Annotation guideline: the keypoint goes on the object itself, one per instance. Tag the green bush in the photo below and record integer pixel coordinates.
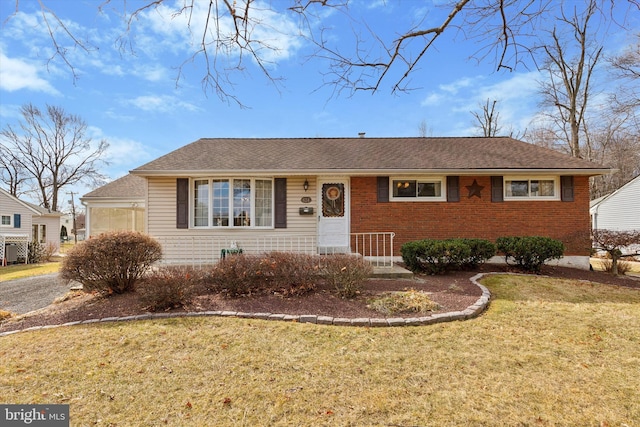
(282, 272)
(439, 256)
(411, 252)
(530, 252)
(346, 274)
(111, 262)
(168, 287)
(481, 251)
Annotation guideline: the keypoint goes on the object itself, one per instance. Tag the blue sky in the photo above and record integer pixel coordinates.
(134, 101)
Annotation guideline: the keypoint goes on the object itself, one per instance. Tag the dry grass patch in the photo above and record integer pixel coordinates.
(19, 271)
(409, 301)
(546, 352)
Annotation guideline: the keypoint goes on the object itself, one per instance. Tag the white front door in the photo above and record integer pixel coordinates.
(333, 215)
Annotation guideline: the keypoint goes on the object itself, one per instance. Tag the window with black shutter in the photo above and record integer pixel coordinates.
(453, 189)
(182, 203)
(497, 192)
(280, 198)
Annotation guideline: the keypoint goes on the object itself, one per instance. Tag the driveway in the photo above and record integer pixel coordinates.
(32, 293)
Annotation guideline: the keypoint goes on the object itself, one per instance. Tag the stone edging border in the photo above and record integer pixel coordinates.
(472, 311)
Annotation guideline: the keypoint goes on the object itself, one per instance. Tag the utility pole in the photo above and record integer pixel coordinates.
(73, 212)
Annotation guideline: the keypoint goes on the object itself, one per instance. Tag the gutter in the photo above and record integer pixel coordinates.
(368, 172)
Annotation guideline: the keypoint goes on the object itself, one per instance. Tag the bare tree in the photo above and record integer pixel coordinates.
(626, 68)
(54, 151)
(226, 35)
(11, 172)
(614, 242)
(424, 130)
(568, 87)
(615, 142)
(487, 120)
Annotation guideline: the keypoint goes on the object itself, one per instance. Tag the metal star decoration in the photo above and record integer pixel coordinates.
(475, 189)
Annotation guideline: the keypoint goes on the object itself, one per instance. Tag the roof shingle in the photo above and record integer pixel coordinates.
(129, 186)
(362, 155)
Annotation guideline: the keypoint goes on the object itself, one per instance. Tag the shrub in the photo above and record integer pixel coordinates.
(439, 256)
(621, 267)
(410, 301)
(345, 273)
(168, 287)
(37, 252)
(530, 252)
(614, 242)
(288, 273)
(411, 252)
(481, 251)
(431, 256)
(282, 272)
(112, 262)
(234, 275)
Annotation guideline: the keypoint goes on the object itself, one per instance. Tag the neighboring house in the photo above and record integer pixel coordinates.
(364, 195)
(22, 222)
(619, 210)
(118, 205)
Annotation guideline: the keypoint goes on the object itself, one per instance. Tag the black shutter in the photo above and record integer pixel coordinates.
(280, 211)
(17, 221)
(453, 189)
(497, 192)
(383, 189)
(182, 203)
(566, 188)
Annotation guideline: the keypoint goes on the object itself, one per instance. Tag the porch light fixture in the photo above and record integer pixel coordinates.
(305, 185)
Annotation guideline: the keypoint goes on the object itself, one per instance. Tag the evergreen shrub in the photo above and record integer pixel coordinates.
(529, 253)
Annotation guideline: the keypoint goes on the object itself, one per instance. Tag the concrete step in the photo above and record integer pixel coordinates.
(394, 272)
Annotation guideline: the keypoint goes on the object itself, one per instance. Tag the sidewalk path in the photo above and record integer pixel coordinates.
(32, 293)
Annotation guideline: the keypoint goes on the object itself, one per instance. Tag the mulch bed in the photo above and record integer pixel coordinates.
(453, 292)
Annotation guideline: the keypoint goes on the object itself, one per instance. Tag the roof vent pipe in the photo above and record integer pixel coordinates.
(361, 134)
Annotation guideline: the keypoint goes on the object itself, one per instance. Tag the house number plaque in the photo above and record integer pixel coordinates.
(306, 199)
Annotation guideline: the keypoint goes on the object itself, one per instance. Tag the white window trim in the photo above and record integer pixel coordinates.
(556, 187)
(421, 178)
(10, 225)
(252, 205)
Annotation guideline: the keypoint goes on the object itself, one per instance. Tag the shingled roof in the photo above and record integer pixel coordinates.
(129, 186)
(364, 156)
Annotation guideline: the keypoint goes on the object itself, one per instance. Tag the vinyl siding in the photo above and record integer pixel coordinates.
(204, 245)
(9, 206)
(621, 210)
(53, 230)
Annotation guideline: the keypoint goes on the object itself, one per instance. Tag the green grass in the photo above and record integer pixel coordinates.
(547, 352)
(20, 271)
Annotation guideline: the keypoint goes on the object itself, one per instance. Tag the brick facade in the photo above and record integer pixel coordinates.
(473, 217)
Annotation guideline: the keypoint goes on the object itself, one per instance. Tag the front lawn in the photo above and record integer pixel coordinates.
(20, 271)
(547, 352)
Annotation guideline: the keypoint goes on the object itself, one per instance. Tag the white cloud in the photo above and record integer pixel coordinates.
(161, 103)
(123, 154)
(455, 87)
(17, 74)
(432, 99)
(517, 97)
(521, 85)
(176, 30)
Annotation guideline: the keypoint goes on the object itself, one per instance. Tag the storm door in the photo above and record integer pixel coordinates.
(333, 215)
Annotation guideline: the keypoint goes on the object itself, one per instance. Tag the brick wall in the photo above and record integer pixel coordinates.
(473, 217)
